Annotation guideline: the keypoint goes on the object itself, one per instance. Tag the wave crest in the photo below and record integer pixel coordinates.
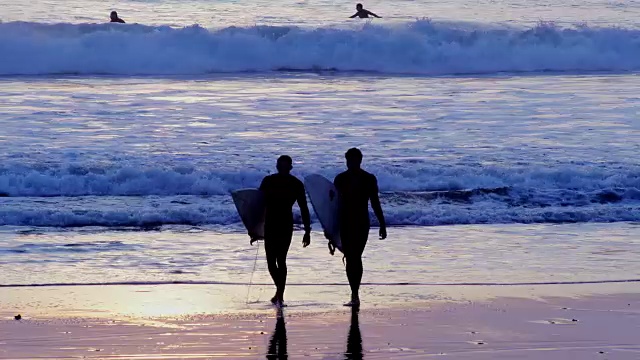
(428, 195)
(420, 47)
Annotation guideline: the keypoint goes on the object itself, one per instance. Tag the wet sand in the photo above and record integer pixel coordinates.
(598, 321)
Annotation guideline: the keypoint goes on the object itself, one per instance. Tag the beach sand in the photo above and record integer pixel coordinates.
(582, 321)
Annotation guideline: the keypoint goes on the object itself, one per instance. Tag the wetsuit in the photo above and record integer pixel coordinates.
(363, 14)
(117, 20)
(355, 189)
(281, 191)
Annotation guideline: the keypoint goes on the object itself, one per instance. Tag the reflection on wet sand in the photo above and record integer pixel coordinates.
(278, 342)
(354, 339)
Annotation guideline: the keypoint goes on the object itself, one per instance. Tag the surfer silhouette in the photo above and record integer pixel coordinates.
(281, 191)
(356, 188)
(363, 13)
(115, 18)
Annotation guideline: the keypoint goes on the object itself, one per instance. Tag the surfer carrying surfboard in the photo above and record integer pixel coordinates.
(281, 191)
(356, 188)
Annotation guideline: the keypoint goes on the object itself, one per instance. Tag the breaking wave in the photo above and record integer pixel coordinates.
(418, 195)
(420, 47)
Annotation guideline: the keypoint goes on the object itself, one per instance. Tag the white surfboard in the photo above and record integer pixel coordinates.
(324, 198)
(250, 206)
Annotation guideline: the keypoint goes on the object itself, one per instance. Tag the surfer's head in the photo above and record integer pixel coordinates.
(359, 7)
(354, 158)
(114, 15)
(284, 164)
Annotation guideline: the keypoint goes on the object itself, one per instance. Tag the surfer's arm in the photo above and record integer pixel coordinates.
(304, 209)
(377, 208)
(263, 184)
(374, 15)
(336, 181)
(353, 16)
(306, 217)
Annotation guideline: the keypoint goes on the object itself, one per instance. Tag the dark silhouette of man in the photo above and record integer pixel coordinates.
(115, 18)
(356, 188)
(362, 13)
(280, 192)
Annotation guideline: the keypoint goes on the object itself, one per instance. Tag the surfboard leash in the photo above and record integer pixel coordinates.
(332, 251)
(255, 263)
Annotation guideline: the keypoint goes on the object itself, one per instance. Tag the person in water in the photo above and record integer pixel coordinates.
(362, 13)
(115, 18)
(280, 192)
(356, 188)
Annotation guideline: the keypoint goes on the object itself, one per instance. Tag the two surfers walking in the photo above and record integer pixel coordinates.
(355, 187)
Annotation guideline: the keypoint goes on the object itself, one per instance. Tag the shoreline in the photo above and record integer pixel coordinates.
(174, 300)
(214, 283)
(447, 256)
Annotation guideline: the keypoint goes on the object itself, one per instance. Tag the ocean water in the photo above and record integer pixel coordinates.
(486, 117)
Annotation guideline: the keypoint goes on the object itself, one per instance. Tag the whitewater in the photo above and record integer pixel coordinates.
(418, 47)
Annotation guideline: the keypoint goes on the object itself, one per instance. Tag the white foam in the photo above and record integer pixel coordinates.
(20, 181)
(417, 196)
(419, 47)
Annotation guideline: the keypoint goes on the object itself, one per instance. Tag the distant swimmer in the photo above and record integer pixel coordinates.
(281, 191)
(115, 18)
(356, 188)
(363, 13)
